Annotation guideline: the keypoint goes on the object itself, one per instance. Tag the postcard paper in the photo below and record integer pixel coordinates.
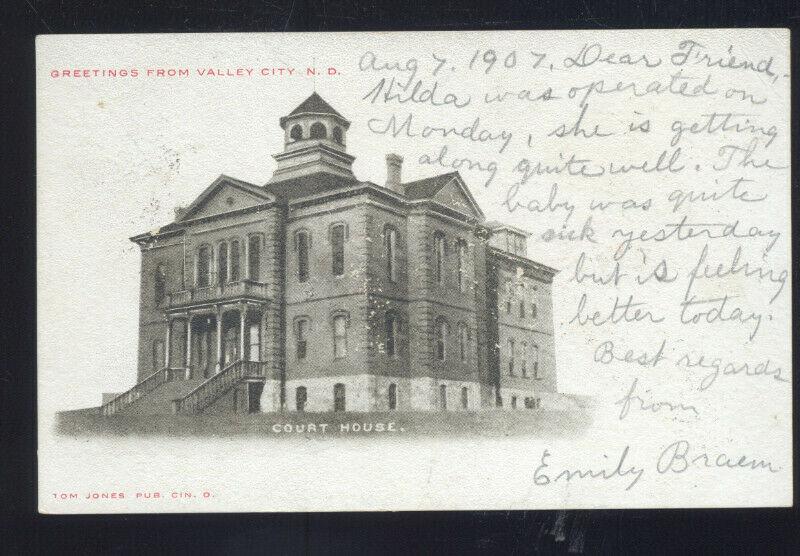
(414, 271)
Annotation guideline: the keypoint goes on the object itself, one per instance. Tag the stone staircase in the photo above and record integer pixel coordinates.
(159, 400)
(167, 391)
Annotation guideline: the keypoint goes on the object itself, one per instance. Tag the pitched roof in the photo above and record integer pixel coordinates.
(311, 184)
(215, 185)
(315, 104)
(427, 187)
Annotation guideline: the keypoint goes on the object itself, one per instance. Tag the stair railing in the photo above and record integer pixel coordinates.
(125, 399)
(209, 391)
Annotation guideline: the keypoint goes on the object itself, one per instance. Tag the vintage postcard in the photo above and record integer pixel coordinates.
(414, 271)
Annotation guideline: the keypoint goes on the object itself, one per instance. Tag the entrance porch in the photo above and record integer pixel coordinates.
(206, 339)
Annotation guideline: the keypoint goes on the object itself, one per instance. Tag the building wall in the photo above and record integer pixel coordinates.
(534, 328)
(152, 325)
(365, 294)
(324, 295)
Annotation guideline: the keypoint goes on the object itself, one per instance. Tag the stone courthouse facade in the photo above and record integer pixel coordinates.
(320, 292)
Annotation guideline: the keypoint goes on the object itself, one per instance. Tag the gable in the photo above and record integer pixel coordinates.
(226, 195)
(455, 196)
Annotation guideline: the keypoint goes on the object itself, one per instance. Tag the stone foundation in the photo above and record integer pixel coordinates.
(365, 393)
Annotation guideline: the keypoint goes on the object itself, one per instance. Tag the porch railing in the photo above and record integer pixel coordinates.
(209, 391)
(217, 292)
(149, 384)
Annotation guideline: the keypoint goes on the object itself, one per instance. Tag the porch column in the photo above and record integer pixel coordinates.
(242, 318)
(219, 338)
(167, 343)
(188, 346)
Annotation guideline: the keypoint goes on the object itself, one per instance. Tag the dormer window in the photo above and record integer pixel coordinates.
(318, 131)
(296, 134)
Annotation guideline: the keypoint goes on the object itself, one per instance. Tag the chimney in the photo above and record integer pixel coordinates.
(394, 167)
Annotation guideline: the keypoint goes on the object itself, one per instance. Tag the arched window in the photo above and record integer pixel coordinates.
(461, 253)
(390, 252)
(464, 397)
(222, 263)
(441, 339)
(393, 396)
(439, 248)
(522, 309)
(524, 358)
(235, 261)
(534, 311)
(443, 396)
(391, 334)
(463, 341)
(337, 135)
(535, 357)
(203, 266)
(301, 334)
(337, 235)
(254, 257)
(160, 284)
(318, 131)
(300, 398)
(513, 402)
(302, 242)
(511, 356)
(296, 133)
(339, 402)
(339, 336)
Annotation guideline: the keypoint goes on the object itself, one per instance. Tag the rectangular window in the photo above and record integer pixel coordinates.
(390, 237)
(511, 357)
(339, 403)
(337, 246)
(464, 398)
(302, 344)
(254, 256)
(443, 396)
(339, 336)
(222, 263)
(463, 340)
(300, 398)
(441, 340)
(522, 309)
(462, 278)
(235, 255)
(440, 254)
(535, 361)
(203, 266)
(513, 402)
(391, 335)
(255, 342)
(524, 357)
(159, 357)
(302, 256)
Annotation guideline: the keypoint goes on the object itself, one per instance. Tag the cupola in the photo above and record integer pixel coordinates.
(315, 141)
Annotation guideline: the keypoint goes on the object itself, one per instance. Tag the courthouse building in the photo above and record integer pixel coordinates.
(321, 292)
